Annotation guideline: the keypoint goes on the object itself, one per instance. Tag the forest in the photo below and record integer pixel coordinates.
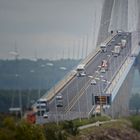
(29, 78)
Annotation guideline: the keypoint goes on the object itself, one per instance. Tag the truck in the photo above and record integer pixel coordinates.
(123, 43)
(116, 51)
(31, 117)
(81, 70)
(42, 106)
(103, 48)
(104, 65)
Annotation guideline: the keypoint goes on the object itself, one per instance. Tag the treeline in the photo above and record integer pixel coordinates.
(12, 129)
(12, 98)
(29, 78)
(25, 74)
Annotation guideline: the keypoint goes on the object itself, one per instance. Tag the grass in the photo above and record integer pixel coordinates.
(86, 121)
(119, 124)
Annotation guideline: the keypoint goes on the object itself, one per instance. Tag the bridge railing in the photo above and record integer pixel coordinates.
(135, 50)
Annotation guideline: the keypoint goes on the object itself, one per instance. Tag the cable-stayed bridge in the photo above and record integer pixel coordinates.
(78, 93)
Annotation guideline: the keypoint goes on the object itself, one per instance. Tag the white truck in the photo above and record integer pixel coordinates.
(103, 48)
(123, 43)
(116, 51)
(81, 70)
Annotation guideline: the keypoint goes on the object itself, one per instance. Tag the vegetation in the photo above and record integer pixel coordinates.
(134, 103)
(10, 98)
(135, 122)
(68, 130)
(30, 78)
(22, 130)
(28, 74)
(92, 119)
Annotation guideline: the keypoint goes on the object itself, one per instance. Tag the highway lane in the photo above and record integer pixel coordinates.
(115, 62)
(71, 88)
(78, 93)
(102, 86)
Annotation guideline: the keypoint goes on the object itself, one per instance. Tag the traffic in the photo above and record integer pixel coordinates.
(90, 79)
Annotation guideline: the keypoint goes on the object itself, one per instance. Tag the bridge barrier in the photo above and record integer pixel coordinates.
(125, 67)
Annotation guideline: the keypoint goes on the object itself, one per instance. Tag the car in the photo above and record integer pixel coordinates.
(59, 100)
(93, 82)
(102, 70)
(45, 115)
(119, 32)
(81, 74)
(109, 44)
(59, 96)
(104, 64)
(113, 40)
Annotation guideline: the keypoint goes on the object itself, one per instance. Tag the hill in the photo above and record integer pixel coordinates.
(117, 130)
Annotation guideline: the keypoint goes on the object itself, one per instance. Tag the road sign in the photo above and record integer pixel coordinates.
(103, 99)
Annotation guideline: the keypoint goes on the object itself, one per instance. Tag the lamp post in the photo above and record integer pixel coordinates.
(79, 109)
(65, 79)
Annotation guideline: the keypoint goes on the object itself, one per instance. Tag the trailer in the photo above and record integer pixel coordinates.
(116, 51)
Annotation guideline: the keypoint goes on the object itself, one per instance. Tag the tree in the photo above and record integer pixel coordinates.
(134, 103)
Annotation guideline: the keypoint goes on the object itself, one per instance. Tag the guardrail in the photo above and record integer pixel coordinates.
(121, 69)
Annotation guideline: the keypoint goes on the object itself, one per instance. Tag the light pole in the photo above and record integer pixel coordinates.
(79, 109)
(65, 78)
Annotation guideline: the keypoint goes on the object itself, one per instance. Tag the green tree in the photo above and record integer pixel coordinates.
(54, 132)
(26, 131)
(20, 130)
(70, 128)
(134, 103)
(135, 122)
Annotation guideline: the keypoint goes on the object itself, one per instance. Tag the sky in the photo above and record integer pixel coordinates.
(50, 29)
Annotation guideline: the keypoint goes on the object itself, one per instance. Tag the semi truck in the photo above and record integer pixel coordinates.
(81, 70)
(103, 48)
(116, 51)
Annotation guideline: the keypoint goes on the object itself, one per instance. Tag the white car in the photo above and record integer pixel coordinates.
(45, 116)
(93, 82)
(102, 70)
(59, 96)
(81, 74)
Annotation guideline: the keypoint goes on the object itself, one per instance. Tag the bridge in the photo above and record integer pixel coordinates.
(112, 88)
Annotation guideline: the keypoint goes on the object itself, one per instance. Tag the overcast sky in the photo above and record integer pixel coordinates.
(52, 28)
